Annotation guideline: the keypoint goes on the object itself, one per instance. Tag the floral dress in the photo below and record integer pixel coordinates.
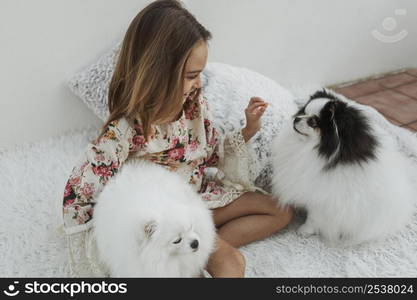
(190, 146)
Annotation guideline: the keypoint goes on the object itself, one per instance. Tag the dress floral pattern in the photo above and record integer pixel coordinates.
(188, 146)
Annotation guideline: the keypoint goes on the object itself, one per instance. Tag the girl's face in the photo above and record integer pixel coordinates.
(193, 68)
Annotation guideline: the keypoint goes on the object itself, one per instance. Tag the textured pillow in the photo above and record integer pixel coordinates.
(227, 89)
(92, 83)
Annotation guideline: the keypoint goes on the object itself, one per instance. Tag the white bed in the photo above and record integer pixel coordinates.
(33, 176)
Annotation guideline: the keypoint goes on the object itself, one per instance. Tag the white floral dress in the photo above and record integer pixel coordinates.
(190, 146)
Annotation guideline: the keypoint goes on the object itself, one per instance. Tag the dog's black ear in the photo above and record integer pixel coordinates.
(323, 94)
(332, 107)
(150, 228)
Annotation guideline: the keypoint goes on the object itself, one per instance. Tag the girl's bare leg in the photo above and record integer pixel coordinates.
(226, 261)
(252, 216)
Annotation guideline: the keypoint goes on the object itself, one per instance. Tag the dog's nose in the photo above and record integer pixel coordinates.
(194, 244)
(297, 119)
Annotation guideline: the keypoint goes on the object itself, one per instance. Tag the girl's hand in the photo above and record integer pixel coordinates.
(253, 112)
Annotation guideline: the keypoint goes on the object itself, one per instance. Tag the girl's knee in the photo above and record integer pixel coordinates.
(238, 258)
(279, 210)
(235, 260)
(227, 261)
(283, 215)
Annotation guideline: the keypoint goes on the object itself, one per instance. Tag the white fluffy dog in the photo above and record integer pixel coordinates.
(150, 223)
(347, 174)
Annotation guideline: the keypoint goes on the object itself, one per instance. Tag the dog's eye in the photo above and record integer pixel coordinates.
(177, 241)
(313, 122)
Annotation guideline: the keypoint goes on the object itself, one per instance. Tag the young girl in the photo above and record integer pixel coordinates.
(158, 113)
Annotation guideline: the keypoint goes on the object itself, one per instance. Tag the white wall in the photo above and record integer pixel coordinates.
(43, 42)
(324, 41)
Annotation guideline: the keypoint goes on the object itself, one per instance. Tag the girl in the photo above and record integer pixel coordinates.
(157, 113)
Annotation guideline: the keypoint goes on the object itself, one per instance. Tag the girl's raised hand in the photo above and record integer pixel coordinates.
(253, 112)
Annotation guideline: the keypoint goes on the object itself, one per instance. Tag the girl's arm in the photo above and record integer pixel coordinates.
(234, 142)
(230, 154)
(101, 160)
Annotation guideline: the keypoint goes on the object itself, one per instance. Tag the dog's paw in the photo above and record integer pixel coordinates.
(306, 230)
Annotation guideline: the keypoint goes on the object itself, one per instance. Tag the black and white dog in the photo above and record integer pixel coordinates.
(349, 176)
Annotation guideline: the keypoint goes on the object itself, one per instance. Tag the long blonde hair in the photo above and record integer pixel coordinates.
(147, 82)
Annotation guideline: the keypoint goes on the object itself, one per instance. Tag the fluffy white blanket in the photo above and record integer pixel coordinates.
(32, 179)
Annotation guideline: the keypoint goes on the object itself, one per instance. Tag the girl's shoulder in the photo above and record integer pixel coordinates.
(122, 131)
(118, 129)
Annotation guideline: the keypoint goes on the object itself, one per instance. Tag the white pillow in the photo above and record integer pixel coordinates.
(92, 83)
(227, 89)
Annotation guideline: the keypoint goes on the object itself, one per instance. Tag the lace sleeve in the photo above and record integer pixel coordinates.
(231, 155)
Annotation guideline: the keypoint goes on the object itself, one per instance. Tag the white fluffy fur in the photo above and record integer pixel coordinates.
(355, 203)
(139, 215)
(31, 247)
